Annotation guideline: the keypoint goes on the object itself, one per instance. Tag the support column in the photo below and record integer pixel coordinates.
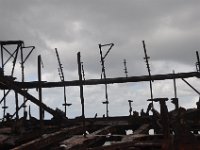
(130, 107)
(81, 91)
(40, 90)
(17, 105)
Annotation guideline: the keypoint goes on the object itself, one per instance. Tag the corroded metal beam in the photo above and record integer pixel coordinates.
(10, 84)
(44, 84)
(80, 142)
(49, 139)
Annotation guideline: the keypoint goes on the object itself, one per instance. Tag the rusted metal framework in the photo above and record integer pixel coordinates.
(11, 51)
(103, 73)
(62, 78)
(175, 130)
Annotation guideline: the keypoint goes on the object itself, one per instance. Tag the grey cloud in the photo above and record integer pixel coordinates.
(170, 29)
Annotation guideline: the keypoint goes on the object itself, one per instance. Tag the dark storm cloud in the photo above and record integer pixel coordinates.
(171, 26)
(170, 29)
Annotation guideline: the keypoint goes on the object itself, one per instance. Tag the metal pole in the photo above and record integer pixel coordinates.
(130, 107)
(40, 90)
(65, 101)
(125, 69)
(2, 60)
(148, 68)
(62, 78)
(106, 86)
(23, 77)
(81, 92)
(15, 59)
(175, 89)
(17, 105)
(4, 92)
(198, 61)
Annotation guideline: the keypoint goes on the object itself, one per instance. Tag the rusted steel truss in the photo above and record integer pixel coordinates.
(176, 130)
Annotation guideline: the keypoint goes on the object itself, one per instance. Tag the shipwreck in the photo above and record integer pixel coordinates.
(171, 130)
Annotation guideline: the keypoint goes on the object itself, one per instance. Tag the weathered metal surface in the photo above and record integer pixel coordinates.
(121, 145)
(81, 142)
(177, 130)
(141, 130)
(81, 92)
(11, 85)
(11, 42)
(44, 84)
(49, 139)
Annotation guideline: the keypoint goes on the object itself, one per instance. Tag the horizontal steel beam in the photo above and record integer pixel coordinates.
(44, 84)
(10, 84)
(10, 42)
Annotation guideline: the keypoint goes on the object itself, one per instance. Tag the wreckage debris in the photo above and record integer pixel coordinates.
(163, 130)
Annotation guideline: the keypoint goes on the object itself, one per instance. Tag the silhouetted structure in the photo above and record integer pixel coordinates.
(178, 129)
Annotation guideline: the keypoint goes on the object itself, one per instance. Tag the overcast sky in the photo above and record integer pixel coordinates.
(170, 29)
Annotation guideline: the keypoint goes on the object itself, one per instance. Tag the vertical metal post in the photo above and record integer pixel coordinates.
(130, 107)
(125, 68)
(15, 59)
(4, 104)
(107, 102)
(2, 60)
(198, 61)
(83, 72)
(4, 92)
(175, 99)
(149, 71)
(17, 105)
(106, 86)
(40, 90)
(198, 104)
(65, 101)
(81, 91)
(62, 78)
(22, 63)
(23, 76)
(175, 89)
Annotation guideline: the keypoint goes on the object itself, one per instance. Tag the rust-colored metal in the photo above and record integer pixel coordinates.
(81, 92)
(44, 84)
(10, 84)
(176, 130)
(49, 139)
(79, 142)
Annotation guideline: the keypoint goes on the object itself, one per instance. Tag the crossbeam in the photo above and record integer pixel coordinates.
(35, 84)
(10, 84)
